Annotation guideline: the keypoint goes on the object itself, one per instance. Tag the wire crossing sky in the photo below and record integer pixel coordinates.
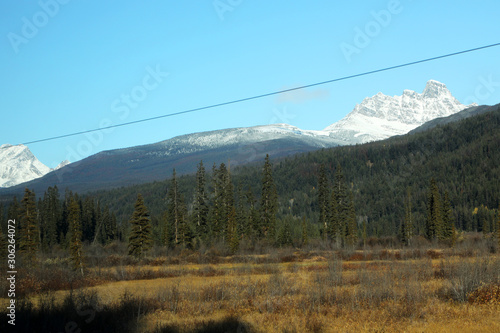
(66, 73)
(265, 95)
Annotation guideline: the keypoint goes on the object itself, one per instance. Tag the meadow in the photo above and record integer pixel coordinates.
(425, 288)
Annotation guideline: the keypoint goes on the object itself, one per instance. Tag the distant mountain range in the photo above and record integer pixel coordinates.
(376, 118)
(381, 116)
(19, 165)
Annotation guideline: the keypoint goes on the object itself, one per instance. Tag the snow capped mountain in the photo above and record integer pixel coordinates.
(191, 143)
(19, 165)
(381, 116)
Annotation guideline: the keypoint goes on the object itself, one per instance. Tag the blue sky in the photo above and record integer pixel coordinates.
(69, 66)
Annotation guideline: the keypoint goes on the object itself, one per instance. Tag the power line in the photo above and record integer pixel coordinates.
(265, 95)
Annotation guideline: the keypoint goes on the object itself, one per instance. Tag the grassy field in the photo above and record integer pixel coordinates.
(410, 290)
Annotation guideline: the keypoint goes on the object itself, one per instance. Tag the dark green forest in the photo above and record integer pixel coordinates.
(340, 195)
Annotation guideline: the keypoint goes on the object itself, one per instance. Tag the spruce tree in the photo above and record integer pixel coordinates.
(200, 206)
(30, 235)
(448, 228)
(434, 222)
(217, 213)
(305, 232)
(406, 228)
(351, 224)
(75, 232)
(324, 198)
(285, 234)
(232, 232)
(254, 230)
(341, 198)
(269, 202)
(334, 219)
(140, 239)
(174, 209)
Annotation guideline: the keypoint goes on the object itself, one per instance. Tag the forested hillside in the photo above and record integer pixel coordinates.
(462, 157)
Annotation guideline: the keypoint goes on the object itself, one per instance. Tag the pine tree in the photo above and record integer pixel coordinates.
(217, 213)
(140, 239)
(406, 229)
(232, 232)
(351, 225)
(324, 198)
(200, 206)
(341, 198)
(448, 229)
(174, 209)
(269, 202)
(334, 219)
(305, 233)
(75, 232)
(285, 234)
(51, 214)
(434, 222)
(185, 234)
(253, 217)
(30, 235)
(228, 198)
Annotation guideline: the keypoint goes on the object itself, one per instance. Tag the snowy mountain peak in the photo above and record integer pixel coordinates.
(19, 165)
(381, 116)
(435, 89)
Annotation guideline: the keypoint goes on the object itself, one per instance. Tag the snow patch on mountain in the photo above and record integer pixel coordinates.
(18, 165)
(380, 116)
(191, 143)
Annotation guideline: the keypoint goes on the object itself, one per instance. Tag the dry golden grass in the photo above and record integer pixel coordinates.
(314, 295)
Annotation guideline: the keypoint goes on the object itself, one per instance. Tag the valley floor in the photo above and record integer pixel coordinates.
(362, 291)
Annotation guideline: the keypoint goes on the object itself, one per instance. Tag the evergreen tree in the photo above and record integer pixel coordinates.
(140, 239)
(269, 202)
(174, 208)
(232, 234)
(228, 198)
(334, 220)
(242, 218)
(253, 217)
(51, 214)
(285, 234)
(75, 232)
(351, 225)
(406, 228)
(217, 212)
(30, 235)
(324, 198)
(342, 206)
(448, 229)
(200, 206)
(185, 234)
(434, 222)
(305, 233)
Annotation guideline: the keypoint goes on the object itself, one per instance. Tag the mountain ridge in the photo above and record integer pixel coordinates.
(375, 118)
(382, 116)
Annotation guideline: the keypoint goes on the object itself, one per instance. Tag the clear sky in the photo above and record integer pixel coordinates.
(69, 66)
